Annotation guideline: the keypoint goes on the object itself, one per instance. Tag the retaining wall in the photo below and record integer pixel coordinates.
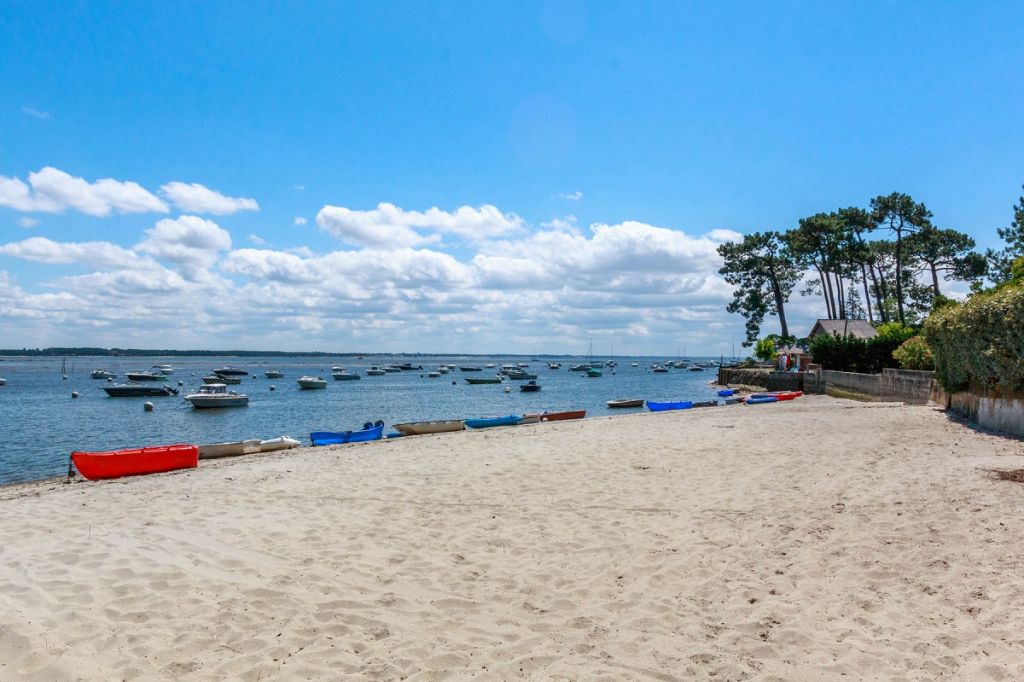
(903, 385)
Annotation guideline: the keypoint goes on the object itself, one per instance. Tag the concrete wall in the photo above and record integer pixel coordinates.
(903, 385)
(1000, 414)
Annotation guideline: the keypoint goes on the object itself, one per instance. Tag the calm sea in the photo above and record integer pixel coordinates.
(40, 424)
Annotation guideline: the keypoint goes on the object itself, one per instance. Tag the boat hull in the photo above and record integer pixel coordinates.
(344, 376)
(488, 422)
(758, 400)
(218, 450)
(281, 443)
(423, 428)
(230, 372)
(139, 391)
(559, 416)
(210, 402)
(474, 382)
(96, 466)
(638, 402)
(665, 407)
(367, 433)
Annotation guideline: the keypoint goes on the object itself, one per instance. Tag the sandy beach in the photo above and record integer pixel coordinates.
(817, 539)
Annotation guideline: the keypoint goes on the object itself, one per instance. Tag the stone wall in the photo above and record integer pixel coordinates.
(902, 385)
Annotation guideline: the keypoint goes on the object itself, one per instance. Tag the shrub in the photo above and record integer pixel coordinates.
(765, 350)
(850, 354)
(914, 353)
(979, 344)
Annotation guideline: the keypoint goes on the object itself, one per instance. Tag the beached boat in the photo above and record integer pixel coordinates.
(231, 372)
(483, 380)
(145, 376)
(102, 374)
(345, 376)
(558, 416)
(370, 431)
(733, 400)
(654, 406)
(530, 387)
(375, 371)
(233, 449)
(626, 402)
(706, 403)
(134, 461)
(471, 368)
(216, 395)
(422, 428)
(138, 390)
(279, 443)
(759, 399)
(530, 419)
(725, 392)
(273, 374)
(488, 422)
(308, 382)
(779, 395)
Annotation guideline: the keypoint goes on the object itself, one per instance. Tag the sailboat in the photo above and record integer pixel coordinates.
(63, 368)
(586, 364)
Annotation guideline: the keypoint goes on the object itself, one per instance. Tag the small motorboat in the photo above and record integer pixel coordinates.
(308, 382)
(370, 431)
(138, 390)
(554, 365)
(219, 379)
(102, 374)
(145, 376)
(234, 449)
(391, 369)
(488, 422)
(695, 368)
(231, 372)
(422, 428)
(216, 395)
(434, 374)
(483, 380)
(558, 416)
(162, 369)
(634, 364)
(375, 371)
(520, 375)
(279, 443)
(593, 372)
(530, 387)
(3, 382)
(579, 368)
(134, 461)
(273, 374)
(471, 368)
(345, 375)
(762, 398)
(660, 369)
(626, 402)
(489, 365)
(665, 407)
(408, 367)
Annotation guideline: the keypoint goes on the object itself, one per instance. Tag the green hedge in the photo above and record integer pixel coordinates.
(979, 345)
(850, 354)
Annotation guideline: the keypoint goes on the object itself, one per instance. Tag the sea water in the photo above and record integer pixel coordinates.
(41, 424)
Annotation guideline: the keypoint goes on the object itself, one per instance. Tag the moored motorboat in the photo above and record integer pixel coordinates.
(471, 368)
(345, 376)
(593, 372)
(231, 372)
(370, 431)
(145, 376)
(137, 390)
(391, 369)
(488, 422)
(3, 382)
(554, 365)
(233, 449)
(654, 406)
(375, 371)
(216, 395)
(134, 461)
(434, 374)
(626, 402)
(660, 369)
(102, 374)
(162, 369)
(483, 380)
(273, 374)
(308, 382)
(279, 443)
(558, 416)
(422, 428)
(530, 387)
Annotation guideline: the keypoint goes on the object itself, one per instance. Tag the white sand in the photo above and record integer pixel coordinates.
(806, 540)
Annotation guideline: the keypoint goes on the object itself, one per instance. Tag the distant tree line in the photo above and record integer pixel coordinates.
(884, 263)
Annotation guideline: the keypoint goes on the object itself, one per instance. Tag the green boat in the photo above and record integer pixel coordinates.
(593, 372)
(483, 380)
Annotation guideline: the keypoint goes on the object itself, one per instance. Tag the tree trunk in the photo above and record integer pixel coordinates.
(824, 291)
(935, 279)
(899, 274)
(877, 281)
(779, 304)
(867, 294)
(841, 295)
(831, 296)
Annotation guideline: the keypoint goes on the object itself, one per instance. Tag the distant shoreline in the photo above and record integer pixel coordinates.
(141, 352)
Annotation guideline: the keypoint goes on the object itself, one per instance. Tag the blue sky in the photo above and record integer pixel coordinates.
(702, 119)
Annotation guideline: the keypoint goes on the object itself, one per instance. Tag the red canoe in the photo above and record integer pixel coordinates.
(781, 395)
(117, 463)
(559, 416)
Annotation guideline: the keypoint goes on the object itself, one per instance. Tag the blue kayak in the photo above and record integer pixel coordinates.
(487, 422)
(369, 431)
(758, 399)
(726, 392)
(664, 407)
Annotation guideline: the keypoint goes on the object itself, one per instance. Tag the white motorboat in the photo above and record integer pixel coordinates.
(102, 374)
(273, 374)
(162, 369)
(308, 382)
(281, 443)
(375, 371)
(216, 395)
(3, 381)
(145, 376)
(338, 368)
(434, 374)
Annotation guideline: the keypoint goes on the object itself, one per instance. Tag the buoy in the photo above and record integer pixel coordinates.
(180, 382)
(74, 394)
(454, 383)
(65, 376)
(147, 406)
(109, 380)
(508, 390)
(273, 388)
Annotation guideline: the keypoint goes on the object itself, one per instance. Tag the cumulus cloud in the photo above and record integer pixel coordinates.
(191, 242)
(299, 220)
(389, 225)
(572, 196)
(196, 198)
(53, 191)
(96, 254)
(27, 223)
(256, 239)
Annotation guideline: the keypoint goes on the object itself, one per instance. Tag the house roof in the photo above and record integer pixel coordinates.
(860, 329)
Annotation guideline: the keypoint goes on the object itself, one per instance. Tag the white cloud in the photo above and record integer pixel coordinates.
(96, 254)
(572, 196)
(35, 113)
(299, 220)
(389, 225)
(27, 223)
(299, 188)
(197, 198)
(53, 191)
(191, 242)
(256, 239)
